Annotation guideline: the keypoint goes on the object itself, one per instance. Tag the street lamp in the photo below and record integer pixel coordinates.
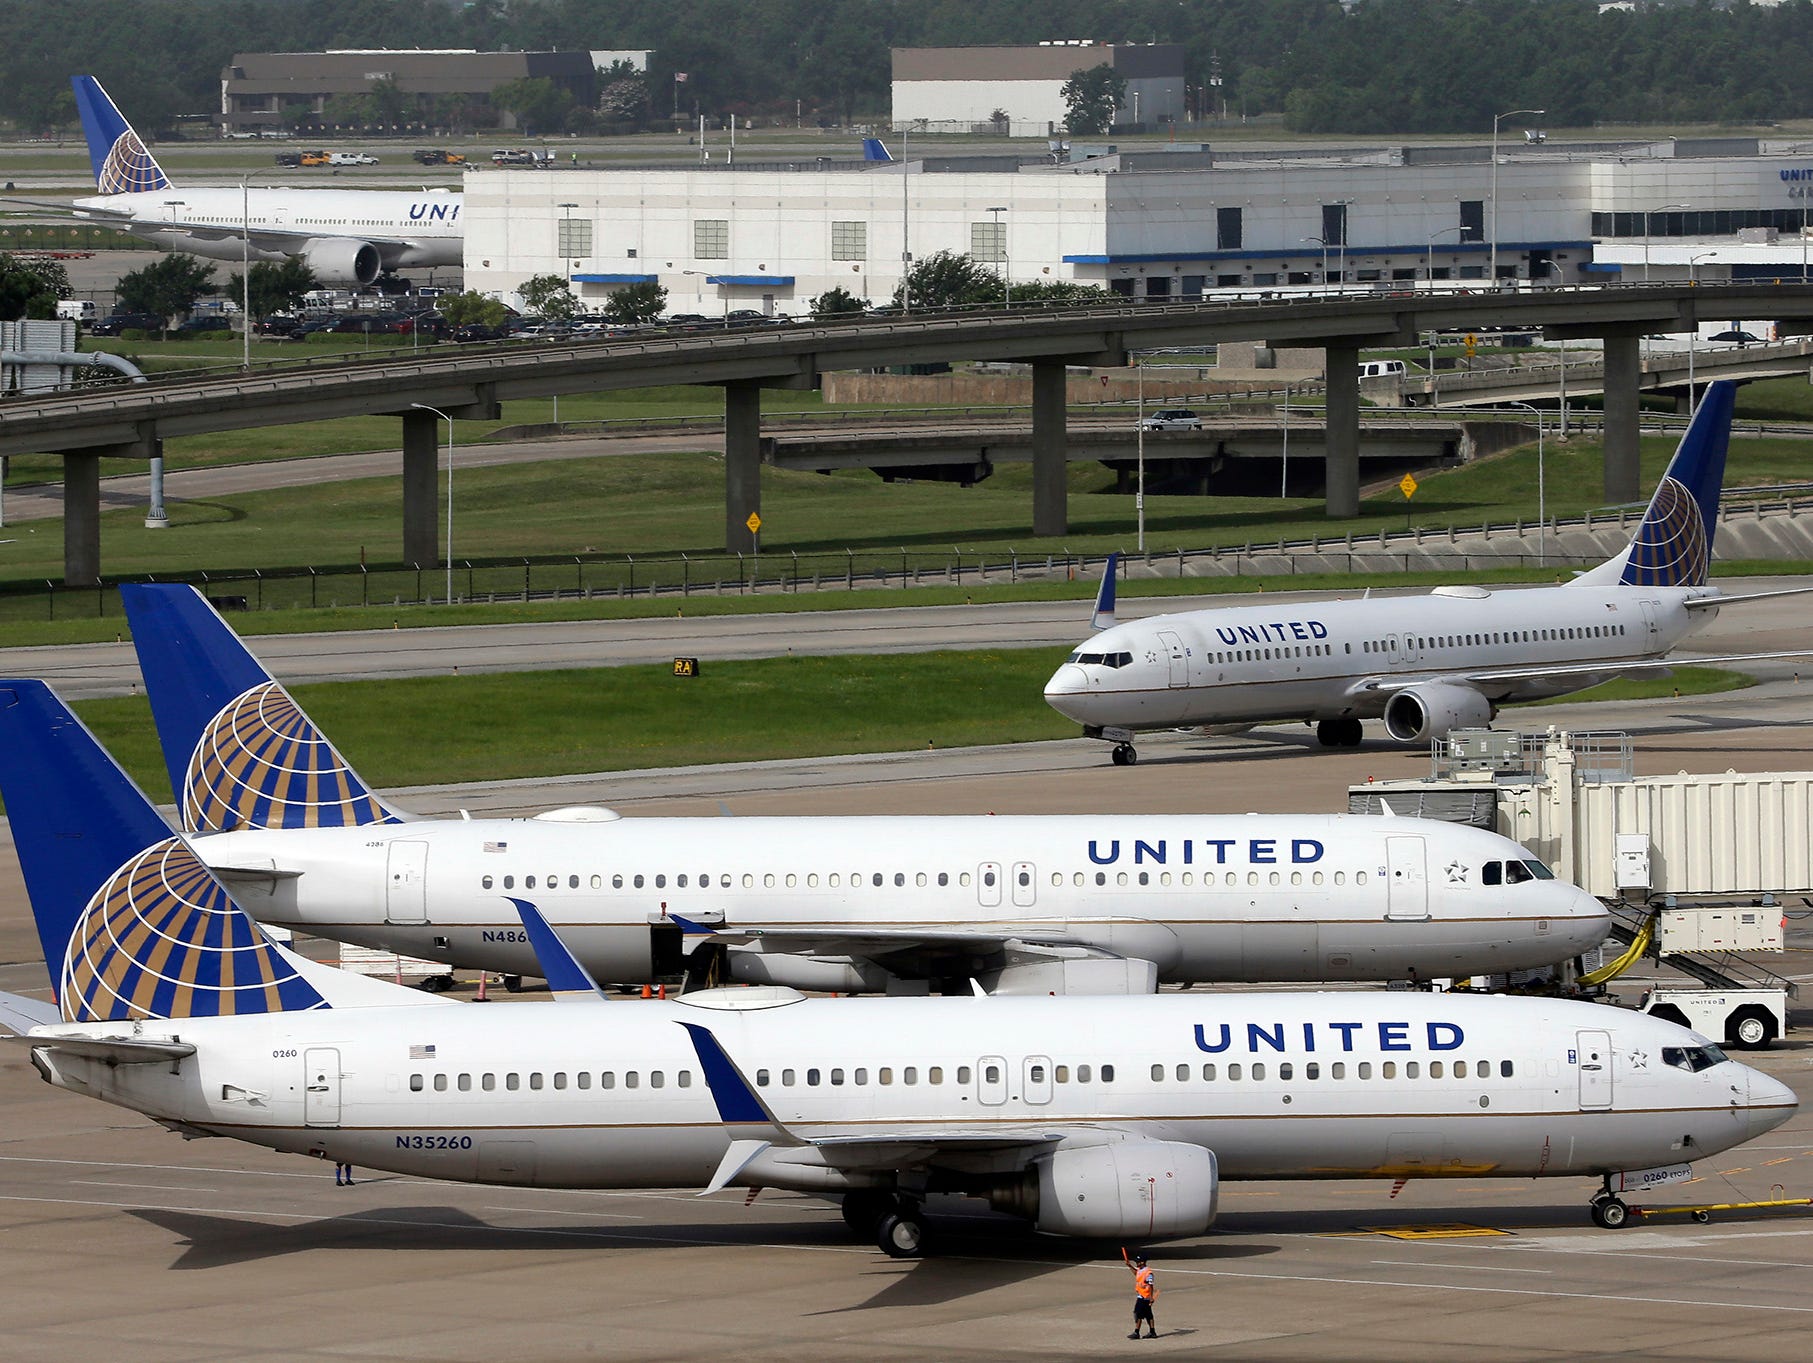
(1509, 113)
(1007, 288)
(1649, 231)
(1561, 391)
(1693, 337)
(1324, 245)
(245, 272)
(1442, 232)
(706, 276)
(422, 406)
(566, 270)
(1542, 500)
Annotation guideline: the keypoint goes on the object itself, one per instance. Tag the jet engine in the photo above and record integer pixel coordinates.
(342, 260)
(1432, 709)
(1141, 1190)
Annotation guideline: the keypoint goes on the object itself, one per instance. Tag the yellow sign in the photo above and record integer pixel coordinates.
(754, 523)
(686, 667)
(1407, 486)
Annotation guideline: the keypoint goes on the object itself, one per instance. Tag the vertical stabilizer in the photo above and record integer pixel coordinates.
(1103, 618)
(132, 923)
(241, 753)
(1673, 544)
(121, 163)
(874, 149)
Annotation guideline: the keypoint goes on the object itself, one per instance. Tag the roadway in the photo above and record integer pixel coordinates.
(117, 1237)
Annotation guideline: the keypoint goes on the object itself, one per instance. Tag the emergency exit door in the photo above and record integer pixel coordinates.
(1593, 1054)
(321, 1086)
(406, 887)
(1406, 879)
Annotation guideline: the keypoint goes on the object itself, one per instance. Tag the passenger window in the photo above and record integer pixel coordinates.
(860, 1077)
(485, 883)
(935, 1075)
(963, 1074)
(1183, 1073)
(528, 882)
(1082, 1074)
(812, 1078)
(884, 1076)
(1364, 1070)
(597, 882)
(488, 1082)
(657, 1079)
(1311, 1070)
(899, 878)
(1504, 1069)
(910, 1075)
(1061, 1073)
(685, 1079)
(1460, 1069)
(638, 882)
(811, 880)
(837, 1075)
(415, 1083)
(534, 1079)
(617, 882)
(1359, 877)
(1208, 1073)
(465, 1083)
(1107, 1074)
(1388, 1069)
(1285, 1070)
(1145, 878)
(1234, 1070)
(1101, 877)
(512, 1081)
(680, 881)
(1158, 1073)
(944, 878)
(509, 882)
(768, 881)
(440, 1083)
(787, 1079)
(992, 1074)
(607, 1080)
(584, 1078)
(1413, 1069)
(1435, 1069)
(661, 881)
(1258, 1069)
(631, 1079)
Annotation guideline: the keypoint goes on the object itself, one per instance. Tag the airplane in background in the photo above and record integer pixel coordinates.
(1096, 903)
(1092, 1117)
(1426, 665)
(345, 236)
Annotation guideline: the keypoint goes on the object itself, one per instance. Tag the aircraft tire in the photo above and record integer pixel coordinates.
(1125, 754)
(1610, 1212)
(1330, 734)
(902, 1235)
(1353, 733)
(1752, 1030)
(863, 1209)
(513, 983)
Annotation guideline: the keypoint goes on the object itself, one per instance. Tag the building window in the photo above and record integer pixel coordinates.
(573, 237)
(988, 242)
(1472, 219)
(711, 239)
(1227, 229)
(849, 241)
(1334, 224)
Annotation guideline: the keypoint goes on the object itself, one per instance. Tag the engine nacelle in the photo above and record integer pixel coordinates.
(823, 974)
(1434, 709)
(342, 260)
(1141, 1190)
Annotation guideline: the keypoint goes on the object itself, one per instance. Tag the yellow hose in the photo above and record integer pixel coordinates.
(1632, 954)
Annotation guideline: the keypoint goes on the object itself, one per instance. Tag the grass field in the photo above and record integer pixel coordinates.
(425, 730)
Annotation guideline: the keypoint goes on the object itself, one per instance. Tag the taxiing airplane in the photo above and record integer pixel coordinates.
(345, 236)
(1097, 903)
(1097, 1117)
(1424, 664)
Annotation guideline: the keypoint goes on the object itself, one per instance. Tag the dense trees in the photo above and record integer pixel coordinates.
(276, 287)
(167, 286)
(636, 303)
(1092, 96)
(549, 296)
(30, 288)
(1374, 67)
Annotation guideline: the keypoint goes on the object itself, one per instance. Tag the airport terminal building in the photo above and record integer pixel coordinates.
(1160, 225)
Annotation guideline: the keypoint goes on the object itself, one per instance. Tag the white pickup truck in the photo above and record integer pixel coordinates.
(1749, 1019)
(351, 158)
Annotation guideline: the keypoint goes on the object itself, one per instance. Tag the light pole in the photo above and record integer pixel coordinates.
(1139, 442)
(1509, 113)
(1693, 337)
(1649, 231)
(1324, 246)
(1441, 232)
(422, 406)
(245, 272)
(1542, 499)
(566, 270)
(1561, 391)
(1007, 288)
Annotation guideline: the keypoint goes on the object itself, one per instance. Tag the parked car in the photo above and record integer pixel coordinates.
(278, 324)
(744, 317)
(1740, 337)
(314, 158)
(477, 331)
(513, 156)
(370, 323)
(352, 158)
(435, 156)
(118, 322)
(1172, 419)
(288, 158)
(196, 326)
(329, 322)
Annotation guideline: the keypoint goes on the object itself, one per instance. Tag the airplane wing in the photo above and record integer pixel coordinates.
(19, 1014)
(932, 940)
(1488, 677)
(65, 207)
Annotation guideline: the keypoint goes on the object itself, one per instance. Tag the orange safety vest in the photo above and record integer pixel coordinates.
(1143, 1284)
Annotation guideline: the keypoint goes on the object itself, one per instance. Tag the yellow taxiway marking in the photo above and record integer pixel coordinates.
(1453, 1230)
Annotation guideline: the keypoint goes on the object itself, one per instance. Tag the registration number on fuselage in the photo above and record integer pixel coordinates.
(414, 1142)
(505, 935)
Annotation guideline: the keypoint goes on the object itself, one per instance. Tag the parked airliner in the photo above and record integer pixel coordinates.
(345, 236)
(1424, 664)
(1096, 903)
(1098, 1117)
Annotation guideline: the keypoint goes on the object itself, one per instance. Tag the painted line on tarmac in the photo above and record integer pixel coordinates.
(1463, 1268)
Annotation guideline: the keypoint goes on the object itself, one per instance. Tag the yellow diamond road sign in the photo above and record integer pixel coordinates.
(1407, 485)
(755, 522)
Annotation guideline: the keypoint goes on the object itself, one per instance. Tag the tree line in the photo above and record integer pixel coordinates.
(1376, 67)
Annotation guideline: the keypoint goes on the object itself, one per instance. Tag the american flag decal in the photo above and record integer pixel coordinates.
(421, 1052)
(497, 847)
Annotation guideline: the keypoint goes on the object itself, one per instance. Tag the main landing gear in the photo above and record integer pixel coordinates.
(1609, 1211)
(896, 1222)
(1125, 754)
(1340, 733)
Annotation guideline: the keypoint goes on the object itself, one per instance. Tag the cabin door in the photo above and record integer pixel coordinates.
(406, 890)
(1036, 1081)
(1406, 880)
(991, 1080)
(988, 884)
(321, 1086)
(1026, 884)
(1178, 658)
(1593, 1054)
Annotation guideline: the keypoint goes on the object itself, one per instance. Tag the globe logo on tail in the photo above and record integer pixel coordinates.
(162, 939)
(262, 764)
(1671, 548)
(129, 168)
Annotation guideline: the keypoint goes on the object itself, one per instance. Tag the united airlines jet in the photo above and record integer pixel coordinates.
(1425, 664)
(1095, 903)
(345, 236)
(1098, 1117)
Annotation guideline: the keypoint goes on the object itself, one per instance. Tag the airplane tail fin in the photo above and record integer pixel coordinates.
(1103, 618)
(874, 149)
(1673, 544)
(133, 924)
(241, 753)
(121, 163)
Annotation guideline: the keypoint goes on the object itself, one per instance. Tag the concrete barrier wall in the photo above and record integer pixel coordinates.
(1015, 390)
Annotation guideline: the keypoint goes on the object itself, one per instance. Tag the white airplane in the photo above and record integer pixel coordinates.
(345, 236)
(1424, 664)
(1100, 1117)
(1096, 903)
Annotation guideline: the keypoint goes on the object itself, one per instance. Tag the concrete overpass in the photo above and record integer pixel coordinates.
(1670, 371)
(89, 424)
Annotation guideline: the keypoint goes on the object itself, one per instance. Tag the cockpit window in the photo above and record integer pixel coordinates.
(1517, 872)
(1492, 873)
(1693, 1059)
(1103, 659)
(1538, 870)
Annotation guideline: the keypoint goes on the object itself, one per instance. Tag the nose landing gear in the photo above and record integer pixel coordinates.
(1125, 754)
(1340, 733)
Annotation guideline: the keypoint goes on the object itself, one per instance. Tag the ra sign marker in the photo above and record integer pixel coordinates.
(1407, 486)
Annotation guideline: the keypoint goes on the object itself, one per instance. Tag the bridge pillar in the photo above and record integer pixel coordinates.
(1050, 451)
(82, 518)
(1623, 372)
(742, 464)
(1341, 488)
(421, 502)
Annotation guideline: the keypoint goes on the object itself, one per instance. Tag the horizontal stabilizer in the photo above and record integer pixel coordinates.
(114, 1050)
(20, 1014)
(1704, 603)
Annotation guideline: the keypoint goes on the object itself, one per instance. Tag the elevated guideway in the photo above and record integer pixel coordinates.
(1677, 372)
(88, 424)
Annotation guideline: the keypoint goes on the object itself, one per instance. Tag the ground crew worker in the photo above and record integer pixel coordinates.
(1145, 1292)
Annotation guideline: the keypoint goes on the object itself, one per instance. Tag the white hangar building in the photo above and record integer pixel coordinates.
(957, 89)
(1161, 226)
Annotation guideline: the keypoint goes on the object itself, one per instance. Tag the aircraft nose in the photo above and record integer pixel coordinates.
(1068, 680)
(1771, 1102)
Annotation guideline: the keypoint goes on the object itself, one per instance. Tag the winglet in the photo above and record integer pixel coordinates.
(688, 928)
(121, 163)
(737, 1100)
(240, 752)
(559, 967)
(1104, 599)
